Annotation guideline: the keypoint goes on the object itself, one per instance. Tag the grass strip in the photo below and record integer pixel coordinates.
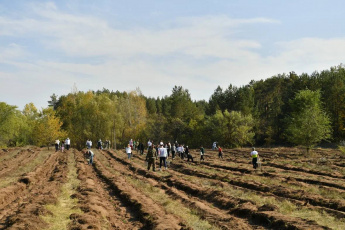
(65, 205)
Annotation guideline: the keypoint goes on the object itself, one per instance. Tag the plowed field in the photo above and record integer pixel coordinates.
(44, 189)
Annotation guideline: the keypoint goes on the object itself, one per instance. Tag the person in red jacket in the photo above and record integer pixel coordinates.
(220, 152)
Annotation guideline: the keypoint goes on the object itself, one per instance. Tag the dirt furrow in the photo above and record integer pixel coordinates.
(43, 187)
(21, 159)
(217, 217)
(276, 176)
(280, 191)
(101, 209)
(239, 207)
(151, 214)
(11, 196)
(236, 155)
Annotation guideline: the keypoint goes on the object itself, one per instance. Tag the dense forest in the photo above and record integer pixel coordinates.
(286, 109)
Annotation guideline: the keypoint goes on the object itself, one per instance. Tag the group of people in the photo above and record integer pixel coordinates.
(100, 144)
(60, 145)
(163, 151)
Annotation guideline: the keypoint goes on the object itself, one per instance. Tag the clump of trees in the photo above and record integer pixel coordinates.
(28, 127)
(283, 109)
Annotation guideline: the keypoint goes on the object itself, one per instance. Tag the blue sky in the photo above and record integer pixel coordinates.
(49, 47)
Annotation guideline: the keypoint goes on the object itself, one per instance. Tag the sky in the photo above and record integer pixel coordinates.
(53, 47)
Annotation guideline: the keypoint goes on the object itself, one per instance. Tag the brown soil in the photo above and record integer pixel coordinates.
(110, 198)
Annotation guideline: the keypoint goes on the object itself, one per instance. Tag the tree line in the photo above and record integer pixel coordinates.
(286, 109)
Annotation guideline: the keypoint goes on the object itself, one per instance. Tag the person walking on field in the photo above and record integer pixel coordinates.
(91, 156)
(68, 143)
(220, 152)
(202, 153)
(151, 158)
(57, 143)
(129, 151)
(254, 154)
(162, 157)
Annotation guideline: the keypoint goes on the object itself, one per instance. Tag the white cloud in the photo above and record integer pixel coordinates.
(11, 51)
(198, 53)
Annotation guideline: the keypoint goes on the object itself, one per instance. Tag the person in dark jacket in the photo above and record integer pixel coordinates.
(99, 144)
(141, 148)
(202, 153)
(151, 158)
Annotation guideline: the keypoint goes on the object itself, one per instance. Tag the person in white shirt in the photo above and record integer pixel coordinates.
(180, 151)
(214, 146)
(149, 143)
(68, 143)
(91, 155)
(163, 153)
(254, 154)
(89, 144)
(129, 151)
(57, 143)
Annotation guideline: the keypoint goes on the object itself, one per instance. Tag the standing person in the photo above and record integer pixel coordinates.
(214, 145)
(168, 148)
(62, 146)
(88, 144)
(99, 144)
(57, 143)
(176, 144)
(141, 148)
(254, 154)
(151, 158)
(68, 143)
(134, 145)
(156, 147)
(129, 151)
(181, 151)
(202, 153)
(91, 156)
(189, 155)
(162, 157)
(220, 152)
(173, 151)
(149, 143)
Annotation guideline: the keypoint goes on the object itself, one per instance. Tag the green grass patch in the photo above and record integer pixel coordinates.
(65, 205)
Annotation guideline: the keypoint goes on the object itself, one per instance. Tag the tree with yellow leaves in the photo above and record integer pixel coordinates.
(48, 128)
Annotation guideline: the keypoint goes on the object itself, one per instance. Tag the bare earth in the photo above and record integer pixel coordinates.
(292, 190)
